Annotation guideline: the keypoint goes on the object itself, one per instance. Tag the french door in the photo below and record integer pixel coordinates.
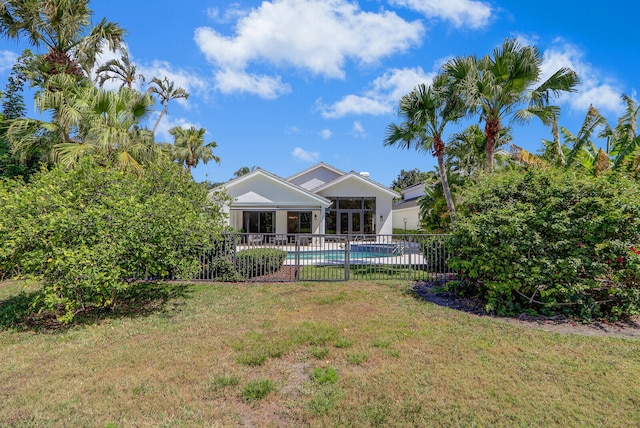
(351, 222)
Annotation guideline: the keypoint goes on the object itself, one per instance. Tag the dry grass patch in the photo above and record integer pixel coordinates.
(251, 355)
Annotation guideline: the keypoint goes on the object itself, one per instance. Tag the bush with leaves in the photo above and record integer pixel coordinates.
(92, 231)
(259, 261)
(551, 241)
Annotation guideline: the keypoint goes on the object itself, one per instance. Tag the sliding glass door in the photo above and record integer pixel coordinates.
(258, 221)
(299, 222)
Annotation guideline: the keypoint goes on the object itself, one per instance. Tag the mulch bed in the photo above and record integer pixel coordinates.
(431, 292)
(285, 274)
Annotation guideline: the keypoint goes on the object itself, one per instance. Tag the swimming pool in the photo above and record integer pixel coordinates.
(335, 255)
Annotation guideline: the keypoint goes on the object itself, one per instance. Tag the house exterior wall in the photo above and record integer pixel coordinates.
(261, 192)
(411, 214)
(353, 188)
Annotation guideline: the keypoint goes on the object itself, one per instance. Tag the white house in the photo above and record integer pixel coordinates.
(320, 200)
(407, 210)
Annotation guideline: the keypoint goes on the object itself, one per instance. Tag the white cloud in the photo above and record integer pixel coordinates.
(604, 95)
(7, 60)
(357, 129)
(471, 13)
(167, 122)
(230, 14)
(319, 36)
(229, 81)
(382, 95)
(303, 155)
(325, 134)
(190, 82)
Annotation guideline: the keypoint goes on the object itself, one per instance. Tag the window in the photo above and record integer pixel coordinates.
(353, 215)
(299, 222)
(258, 221)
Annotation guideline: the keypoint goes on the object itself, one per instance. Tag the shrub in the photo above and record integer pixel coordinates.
(259, 261)
(91, 232)
(548, 241)
(218, 262)
(436, 251)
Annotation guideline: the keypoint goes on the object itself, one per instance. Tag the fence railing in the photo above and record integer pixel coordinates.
(268, 257)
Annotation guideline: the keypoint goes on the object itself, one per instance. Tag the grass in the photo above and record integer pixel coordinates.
(188, 360)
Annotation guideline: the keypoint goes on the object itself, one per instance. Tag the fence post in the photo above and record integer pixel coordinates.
(297, 259)
(408, 246)
(347, 257)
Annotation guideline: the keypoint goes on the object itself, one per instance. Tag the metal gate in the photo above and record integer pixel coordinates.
(311, 257)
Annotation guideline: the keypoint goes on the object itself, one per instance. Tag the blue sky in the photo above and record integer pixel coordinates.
(285, 84)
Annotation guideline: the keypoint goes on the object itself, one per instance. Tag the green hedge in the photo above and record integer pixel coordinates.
(551, 241)
(259, 261)
(90, 232)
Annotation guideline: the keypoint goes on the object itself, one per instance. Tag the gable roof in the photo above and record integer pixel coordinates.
(314, 167)
(315, 176)
(355, 176)
(252, 197)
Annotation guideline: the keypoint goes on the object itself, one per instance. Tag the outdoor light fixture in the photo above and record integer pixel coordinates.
(315, 216)
(380, 219)
(405, 225)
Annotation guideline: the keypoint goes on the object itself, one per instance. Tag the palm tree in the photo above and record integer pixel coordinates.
(244, 171)
(426, 111)
(502, 86)
(466, 151)
(582, 148)
(189, 147)
(65, 28)
(625, 140)
(554, 150)
(166, 91)
(87, 120)
(118, 69)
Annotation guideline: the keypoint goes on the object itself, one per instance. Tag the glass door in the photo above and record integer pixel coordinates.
(350, 222)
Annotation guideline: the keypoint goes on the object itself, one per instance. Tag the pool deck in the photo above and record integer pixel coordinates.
(403, 253)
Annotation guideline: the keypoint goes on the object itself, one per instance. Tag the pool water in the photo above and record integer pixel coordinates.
(328, 255)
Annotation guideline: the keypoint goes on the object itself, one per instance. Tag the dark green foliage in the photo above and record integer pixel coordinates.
(409, 178)
(218, 262)
(549, 241)
(436, 251)
(13, 107)
(91, 232)
(259, 261)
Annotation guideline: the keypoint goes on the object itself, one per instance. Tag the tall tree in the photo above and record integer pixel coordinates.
(166, 91)
(426, 111)
(582, 148)
(407, 178)
(64, 28)
(507, 84)
(87, 120)
(624, 137)
(189, 147)
(121, 69)
(244, 171)
(466, 150)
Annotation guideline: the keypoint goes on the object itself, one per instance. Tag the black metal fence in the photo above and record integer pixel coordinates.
(308, 257)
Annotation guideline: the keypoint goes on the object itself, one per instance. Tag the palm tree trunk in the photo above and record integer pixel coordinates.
(159, 119)
(438, 146)
(491, 130)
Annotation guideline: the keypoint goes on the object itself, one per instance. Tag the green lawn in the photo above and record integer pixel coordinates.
(308, 354)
